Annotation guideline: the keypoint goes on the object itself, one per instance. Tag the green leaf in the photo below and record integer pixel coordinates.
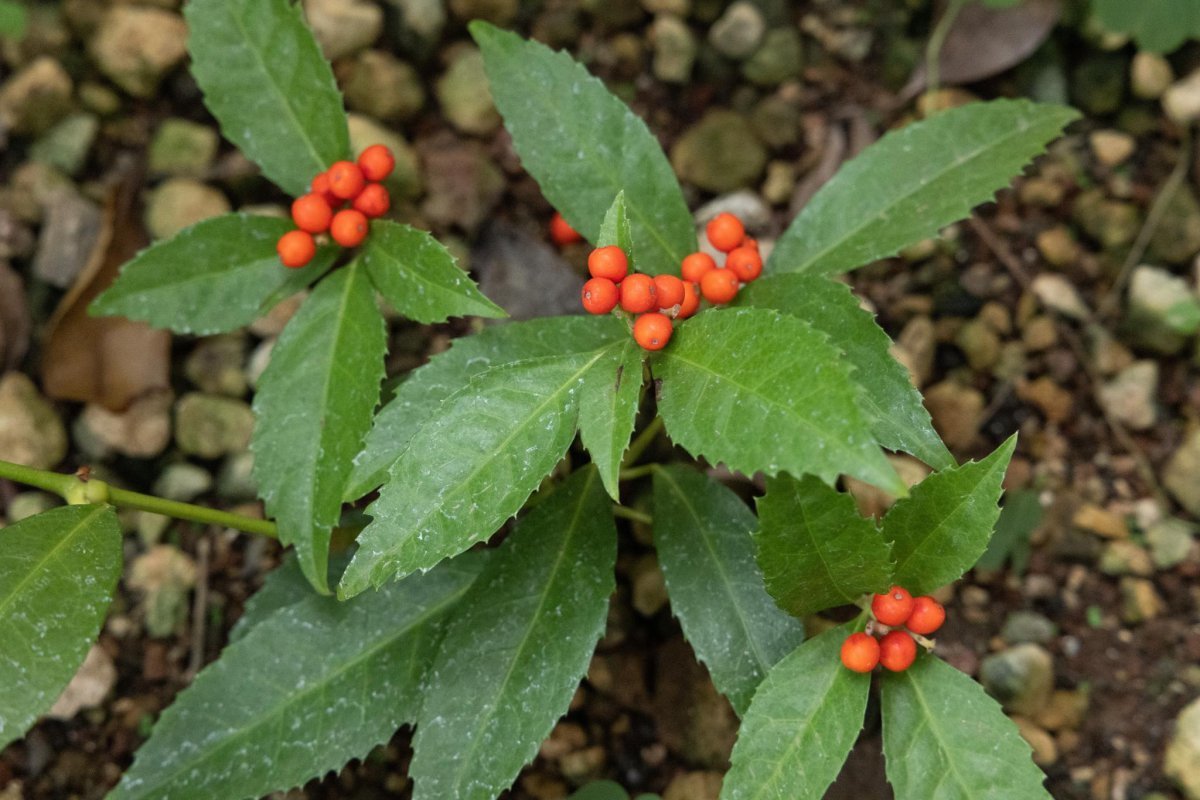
(418, 399)
(517, 646)
(899, 418)
(584, 146)
(801, 725)
(314, 405)
(13, 19)
(472, 463)
(943, 527)
(58, 570)
(815, 550)
(702, 534)
(945, 739)
(915, 181)
(284, 586)
(1159, 26)
(215, 276)
(304, 691)
(266, 82)
(419, 277)
(764, 391)
(608, 410)
(1021, 514)
(615, 230)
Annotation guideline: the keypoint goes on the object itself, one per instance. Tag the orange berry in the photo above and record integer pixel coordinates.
(349, 227)
(311, 212)
(600, 296)
(345, 180)
(695, 265)
(373, 201)
(691, 301)
(860, 652)
(926, 617)
(320, 186)
(652, 331)
(745, 262)
(719, 286)
(893, 608)
(725, 232)
(608, 262)
(897, 651)
(669, 290)
(561, 232)
(638, 294)
(376, 162)
(296, 248)
(750, 242)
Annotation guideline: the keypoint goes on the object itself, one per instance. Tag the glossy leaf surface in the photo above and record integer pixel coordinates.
(815, 550)
(58, 570)
(314, 405)
(216, 276)
(915, 181)
(702, 534)
(517, 646)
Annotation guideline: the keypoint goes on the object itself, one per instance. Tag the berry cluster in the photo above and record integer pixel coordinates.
(659, 299)
(897, 649)
(339, 202)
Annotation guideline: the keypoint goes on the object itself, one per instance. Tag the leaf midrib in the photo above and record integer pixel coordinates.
(872, 217)
(929, 719)
(466, 481)
(50, 555)
(682, 497)
(512, 665)
(288, 700)
(614, 178)
(920, 542)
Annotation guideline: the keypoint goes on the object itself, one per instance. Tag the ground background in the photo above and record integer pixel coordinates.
(1056, 311)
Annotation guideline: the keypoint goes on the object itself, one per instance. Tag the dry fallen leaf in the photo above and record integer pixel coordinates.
(986, 41)
(107, 360)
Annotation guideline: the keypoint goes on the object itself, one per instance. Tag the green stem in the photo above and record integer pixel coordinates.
(643, 440)
(68, 486)
(633, 473)
(625, 512)
(933, 50)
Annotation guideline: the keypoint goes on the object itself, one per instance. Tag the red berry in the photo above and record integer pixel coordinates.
(745, 262)
(669, 289)
(691, 301)
(311, 212)
(695, 265)
(600, 296)
(719, 286)
(894, 607)
(927, 616)
(638, 294)
(561, 232)
(652, 331)
(860, 652)
(320, 186)
(345, 180)
(349, 227)
(296, 248)
(725, 232)
(897, 651)
(373, 201)
(376, 162)
(608, 262)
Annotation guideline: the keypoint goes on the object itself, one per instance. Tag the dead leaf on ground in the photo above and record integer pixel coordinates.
(986, 41)
(14, 318)
(107, 360)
